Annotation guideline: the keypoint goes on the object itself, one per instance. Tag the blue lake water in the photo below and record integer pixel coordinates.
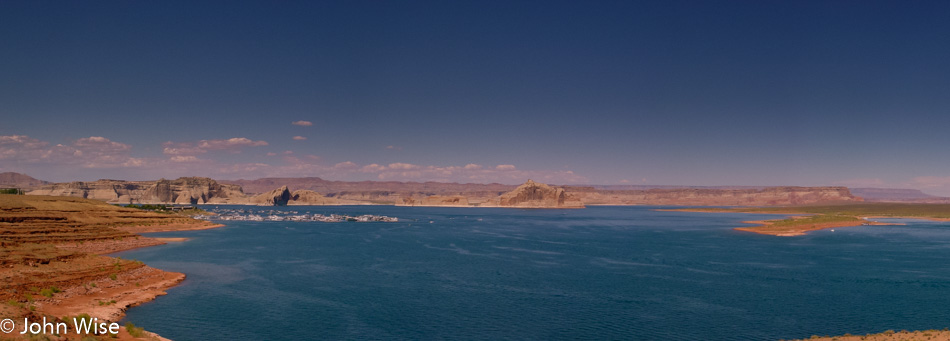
(596, 273)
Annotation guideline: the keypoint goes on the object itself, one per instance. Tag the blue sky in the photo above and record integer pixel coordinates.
(609, 92)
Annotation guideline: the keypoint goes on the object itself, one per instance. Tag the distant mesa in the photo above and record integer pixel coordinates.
(186, 190)
(898, 195)
(537, 195)
(21, 181)
(306, 197)
(531, 194)
(283, 197)
(189, 190)
(766, 196)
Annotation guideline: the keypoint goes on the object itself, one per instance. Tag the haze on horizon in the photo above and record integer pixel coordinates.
(615, 92)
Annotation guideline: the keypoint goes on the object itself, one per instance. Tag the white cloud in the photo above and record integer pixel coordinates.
(103, 157)
(180, 158)
(89, 152)
(372, 168)
(299, 138)
(347, 165)
(402, 166)
(234, 145)
(302, 123)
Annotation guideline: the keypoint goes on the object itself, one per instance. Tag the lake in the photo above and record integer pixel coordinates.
(596, 273)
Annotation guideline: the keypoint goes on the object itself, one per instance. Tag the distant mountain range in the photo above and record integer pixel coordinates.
(897, 195)
(17, 180)
(317, 191)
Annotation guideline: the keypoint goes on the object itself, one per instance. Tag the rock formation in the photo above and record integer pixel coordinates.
(305, 197)
(195, 191)
(192, 190)
(768, 196)
(277, 197)
(537, 195)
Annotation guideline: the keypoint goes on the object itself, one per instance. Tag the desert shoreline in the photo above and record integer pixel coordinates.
(58, 260)
(149, 283)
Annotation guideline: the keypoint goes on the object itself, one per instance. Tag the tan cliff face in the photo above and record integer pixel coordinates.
(307, 197)
(196, 190)
(277, 197)
(188, 191)
(537, 195)
(193, 190)
(769, 196)
(283, 197)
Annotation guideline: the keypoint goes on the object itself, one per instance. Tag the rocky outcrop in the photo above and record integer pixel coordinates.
(305, 197)
(277, 197)
(436, 200)
(191, 190)
(195, 191)
(768, 196)
(537, 195)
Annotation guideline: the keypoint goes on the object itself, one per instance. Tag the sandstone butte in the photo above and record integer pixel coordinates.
(51, 262)
(529, 195)
(537, 195)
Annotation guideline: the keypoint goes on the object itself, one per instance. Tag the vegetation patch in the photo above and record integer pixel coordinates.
(814, 220)
(133, 330)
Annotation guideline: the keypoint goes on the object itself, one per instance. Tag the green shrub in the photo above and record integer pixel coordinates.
(133, 330)
(48, 292)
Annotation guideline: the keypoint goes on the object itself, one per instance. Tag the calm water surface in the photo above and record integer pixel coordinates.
(597, 273)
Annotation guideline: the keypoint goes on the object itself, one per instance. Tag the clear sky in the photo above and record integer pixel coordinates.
(578, 92)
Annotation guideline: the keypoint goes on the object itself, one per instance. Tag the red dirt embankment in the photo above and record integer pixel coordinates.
(51, 262)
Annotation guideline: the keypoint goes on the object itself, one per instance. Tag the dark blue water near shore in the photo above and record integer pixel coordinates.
(597, 273)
